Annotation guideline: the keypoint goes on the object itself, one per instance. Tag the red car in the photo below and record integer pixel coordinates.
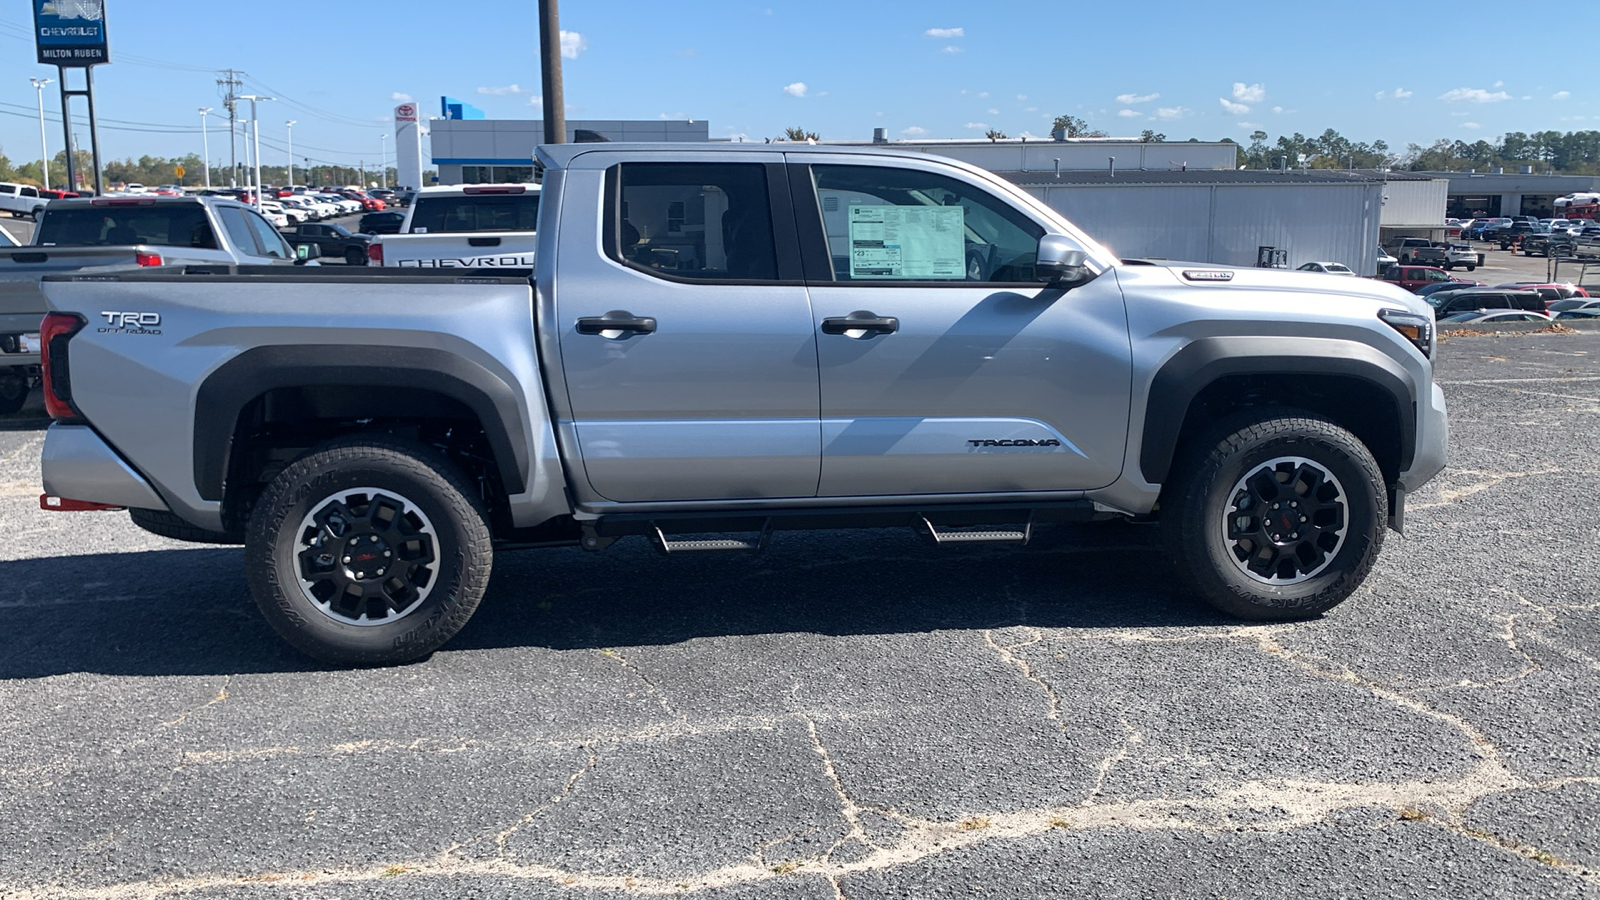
(1413, 277)
(367, 201)
(58, 195)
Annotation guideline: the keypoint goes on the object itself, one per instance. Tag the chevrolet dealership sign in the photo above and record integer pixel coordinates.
(70, 32)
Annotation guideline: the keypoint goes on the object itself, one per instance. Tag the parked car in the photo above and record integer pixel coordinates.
(1549, 291)
(53, 194)
(388, 222)
(332, 242)
(1436, 286)
(1546, 244)
(1583, 315)
(1486, 318)
(1480, 226)
(1413, 277)
(1456, 254)
(1384, 260)
(1447, 303)
(1420, 251)
(1327, 268)
(473, 225)
(23, 201)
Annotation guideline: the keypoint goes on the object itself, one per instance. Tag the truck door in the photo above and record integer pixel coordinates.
(945, 367)
(686, 341)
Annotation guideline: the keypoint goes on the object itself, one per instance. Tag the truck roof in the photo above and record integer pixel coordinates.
(561, 155)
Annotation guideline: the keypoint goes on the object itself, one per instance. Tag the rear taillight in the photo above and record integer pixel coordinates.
(54, 333)
(147, 259)
(375, 253)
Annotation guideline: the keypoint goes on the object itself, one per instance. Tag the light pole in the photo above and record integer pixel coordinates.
(383, 160)
(289, 127)
(255, 137)
(205, 145)
(44, 150)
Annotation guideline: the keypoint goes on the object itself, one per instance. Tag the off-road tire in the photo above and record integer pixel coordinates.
(354, 256)
(1200, 507)
(13, 391)
(340, 476)
(159, 521)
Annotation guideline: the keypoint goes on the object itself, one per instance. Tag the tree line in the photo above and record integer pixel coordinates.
(154, 170)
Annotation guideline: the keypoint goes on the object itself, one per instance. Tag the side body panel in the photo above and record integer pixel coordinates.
(149, 392)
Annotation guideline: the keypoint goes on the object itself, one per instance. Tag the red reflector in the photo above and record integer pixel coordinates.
(147, 259)
(62, 504)
(122, 201)
(511, 189)
(375, 253)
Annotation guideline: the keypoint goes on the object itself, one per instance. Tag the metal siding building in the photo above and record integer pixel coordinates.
(1222, 216)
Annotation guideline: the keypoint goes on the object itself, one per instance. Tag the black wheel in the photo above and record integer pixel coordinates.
(368, 550)
(1275, 516)
(354, 256)
(1405, 260)
(13, 391)
(1472, 268)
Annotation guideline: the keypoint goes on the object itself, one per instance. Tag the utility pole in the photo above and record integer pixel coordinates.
(44, 149)
(255, 126)
(555, 109)
(289, 127)
(383, 158)
(230, 99)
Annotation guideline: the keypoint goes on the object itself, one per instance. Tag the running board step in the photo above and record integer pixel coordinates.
(971, 536)
(668, 546)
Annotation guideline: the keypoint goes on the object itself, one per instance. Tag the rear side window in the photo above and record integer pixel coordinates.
(166, 225)
(476, 212)
(8, 189)
(271, 243)
(705, 221)
(238, 230)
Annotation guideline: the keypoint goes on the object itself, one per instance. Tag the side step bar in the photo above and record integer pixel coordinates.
(973, 536)
(667, 546)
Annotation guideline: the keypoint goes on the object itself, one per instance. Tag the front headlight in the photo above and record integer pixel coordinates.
(1414, 328)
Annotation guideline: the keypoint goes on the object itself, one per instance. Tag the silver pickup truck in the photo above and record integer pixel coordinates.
(722, 343)
(108, 234)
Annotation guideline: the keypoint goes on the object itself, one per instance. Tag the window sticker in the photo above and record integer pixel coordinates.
(907, 242)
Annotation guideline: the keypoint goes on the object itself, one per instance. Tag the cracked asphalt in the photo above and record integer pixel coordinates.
(850, 715)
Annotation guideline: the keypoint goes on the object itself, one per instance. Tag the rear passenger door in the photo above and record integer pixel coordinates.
(685, 333)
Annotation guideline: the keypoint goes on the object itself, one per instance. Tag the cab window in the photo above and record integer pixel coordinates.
(272, 244)
(700, 221)
(888, 225)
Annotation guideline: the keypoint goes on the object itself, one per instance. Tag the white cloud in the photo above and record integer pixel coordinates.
(1474, 126)
(1233, 109)
(1129, 113)
(1250, 125)
(672, 117)
(945, 34)
(1473, 95)
(1168, 113)
(914, 131)
(1278, 110)
(1028, 135)
(992, 112)
(686, 53)
(1130, 99)
(1402, 94)
(1022, 98)
(399, 97)
(1560, 95)
(950, 48)
(1499, 84)
(1249, 93)
(510, 90)
(573, 43)
(798, 89)
(977, 126)
(536, 102)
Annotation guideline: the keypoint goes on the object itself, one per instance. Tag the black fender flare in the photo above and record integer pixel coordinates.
(1199, 364)
(224, 393)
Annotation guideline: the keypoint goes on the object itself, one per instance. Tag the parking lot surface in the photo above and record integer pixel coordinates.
(850, 715)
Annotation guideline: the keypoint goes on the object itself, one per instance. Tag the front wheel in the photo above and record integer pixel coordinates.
(1275, 517)
(368, 551)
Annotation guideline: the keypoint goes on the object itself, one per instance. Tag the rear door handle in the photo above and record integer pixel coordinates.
(868, 323)
(483, 242)
(616, 323)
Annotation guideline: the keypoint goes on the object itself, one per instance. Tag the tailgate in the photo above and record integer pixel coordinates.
(21, 303)
(477, 249)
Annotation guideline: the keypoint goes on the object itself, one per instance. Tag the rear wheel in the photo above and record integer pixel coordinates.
(1275, 517)
(368, 551)
(13, 391)
(354, 257)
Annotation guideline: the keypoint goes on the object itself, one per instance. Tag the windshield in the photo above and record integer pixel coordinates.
(476, 212)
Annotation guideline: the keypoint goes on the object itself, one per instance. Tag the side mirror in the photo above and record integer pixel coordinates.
(306, 252)
(1061, 263)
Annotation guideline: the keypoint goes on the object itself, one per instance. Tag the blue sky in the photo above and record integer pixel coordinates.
(1469, 70)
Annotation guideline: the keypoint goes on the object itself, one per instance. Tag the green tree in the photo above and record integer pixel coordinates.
(1148, 136)
(995, 134)
(1072, 126)
(800, 134)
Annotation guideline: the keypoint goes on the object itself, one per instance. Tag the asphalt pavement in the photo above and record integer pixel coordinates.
(850, 715)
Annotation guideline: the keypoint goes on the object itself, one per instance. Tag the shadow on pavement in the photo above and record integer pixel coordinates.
(189, 612)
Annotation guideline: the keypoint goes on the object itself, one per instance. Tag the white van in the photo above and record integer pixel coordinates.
(21, 200)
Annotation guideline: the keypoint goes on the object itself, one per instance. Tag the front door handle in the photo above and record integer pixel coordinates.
(616, 324)
(861, 324)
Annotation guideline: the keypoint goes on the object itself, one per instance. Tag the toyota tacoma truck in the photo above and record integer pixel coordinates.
(464, 227)
(721, 343)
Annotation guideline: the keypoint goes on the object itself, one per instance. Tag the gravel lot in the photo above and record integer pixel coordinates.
(849, 715)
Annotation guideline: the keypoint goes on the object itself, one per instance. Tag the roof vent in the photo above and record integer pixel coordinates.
(880, 135)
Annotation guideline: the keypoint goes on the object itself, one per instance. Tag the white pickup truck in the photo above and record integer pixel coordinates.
(462, 227)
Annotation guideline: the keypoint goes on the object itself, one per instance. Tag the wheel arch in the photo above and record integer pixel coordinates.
(435, 383)
(1349, 383)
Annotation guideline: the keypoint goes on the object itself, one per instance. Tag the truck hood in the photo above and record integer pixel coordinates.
(1327, 291)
